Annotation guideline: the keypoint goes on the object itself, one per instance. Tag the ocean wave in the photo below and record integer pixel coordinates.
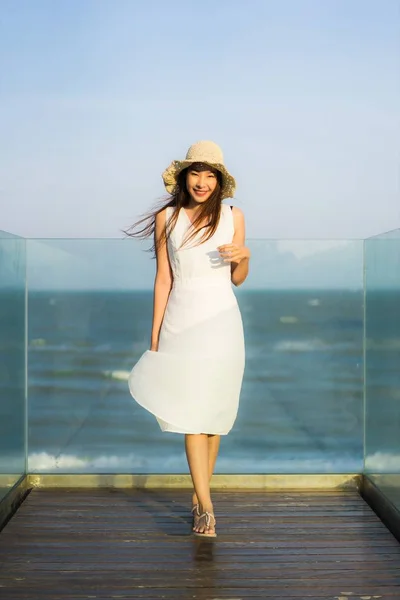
(77, 374)
(307, 345)
(42, 345)
(41, 462)
(45, 376)
(119, 375)
(383, 462)
(314, 302)
(38, 342)
(288, 319)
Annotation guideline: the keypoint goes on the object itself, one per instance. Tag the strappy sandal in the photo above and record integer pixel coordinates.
(207, 516)
(196, 515)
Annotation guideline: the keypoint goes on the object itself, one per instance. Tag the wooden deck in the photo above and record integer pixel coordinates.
(128, 543)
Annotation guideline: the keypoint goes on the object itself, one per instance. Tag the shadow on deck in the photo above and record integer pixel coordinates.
(132, 543)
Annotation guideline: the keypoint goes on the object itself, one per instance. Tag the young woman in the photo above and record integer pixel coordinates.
(191, 376)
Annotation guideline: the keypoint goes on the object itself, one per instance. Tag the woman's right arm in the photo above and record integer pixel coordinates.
(162, 283)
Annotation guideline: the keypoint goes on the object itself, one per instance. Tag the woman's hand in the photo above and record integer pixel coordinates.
(154, 347)
(233, 252)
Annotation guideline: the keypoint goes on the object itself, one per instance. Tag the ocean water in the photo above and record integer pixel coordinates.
(301, 406)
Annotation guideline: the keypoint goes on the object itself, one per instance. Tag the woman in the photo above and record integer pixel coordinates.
(191, 376)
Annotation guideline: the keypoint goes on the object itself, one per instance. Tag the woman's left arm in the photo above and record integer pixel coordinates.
(237, 253)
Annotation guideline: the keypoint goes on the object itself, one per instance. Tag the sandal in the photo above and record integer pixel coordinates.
(207, 516)
(196, 515)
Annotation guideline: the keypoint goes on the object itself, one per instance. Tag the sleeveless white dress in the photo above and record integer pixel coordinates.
(192, 384)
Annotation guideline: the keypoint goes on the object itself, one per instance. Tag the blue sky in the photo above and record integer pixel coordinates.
(98, 96)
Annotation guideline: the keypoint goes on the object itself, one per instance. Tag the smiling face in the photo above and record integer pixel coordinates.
(201, 181)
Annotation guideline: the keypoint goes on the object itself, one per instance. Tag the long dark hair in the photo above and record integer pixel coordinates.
(209, 211)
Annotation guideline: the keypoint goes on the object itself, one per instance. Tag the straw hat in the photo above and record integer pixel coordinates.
(201, 152)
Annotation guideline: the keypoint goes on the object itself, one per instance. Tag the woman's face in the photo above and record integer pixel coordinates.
(200, 183)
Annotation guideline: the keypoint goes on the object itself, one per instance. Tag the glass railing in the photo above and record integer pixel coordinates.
(12, 361)
(382, 362)
(90, 309)
(303, 403)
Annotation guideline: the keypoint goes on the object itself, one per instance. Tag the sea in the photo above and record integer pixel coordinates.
(302, 401)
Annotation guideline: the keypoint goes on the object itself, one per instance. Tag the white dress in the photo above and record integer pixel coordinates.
(192, 384)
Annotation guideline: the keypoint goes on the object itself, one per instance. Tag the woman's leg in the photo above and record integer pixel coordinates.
(197, 453)
(213, 448)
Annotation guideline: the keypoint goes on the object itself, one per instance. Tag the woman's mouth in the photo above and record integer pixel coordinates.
(200, 192)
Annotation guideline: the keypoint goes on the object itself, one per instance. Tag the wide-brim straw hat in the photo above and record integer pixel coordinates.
(207, 153)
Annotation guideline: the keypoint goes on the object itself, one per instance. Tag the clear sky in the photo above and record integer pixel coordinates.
(98, 96)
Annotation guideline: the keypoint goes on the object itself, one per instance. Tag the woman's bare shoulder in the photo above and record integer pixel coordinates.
(161, 216)
(237, 212)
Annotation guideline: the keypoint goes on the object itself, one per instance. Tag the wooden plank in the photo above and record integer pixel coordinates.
(137, 544)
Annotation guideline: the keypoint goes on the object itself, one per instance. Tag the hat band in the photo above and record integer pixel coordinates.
(203, 165)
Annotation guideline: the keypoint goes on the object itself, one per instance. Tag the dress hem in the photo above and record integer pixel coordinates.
(158, 417)
(195, 432)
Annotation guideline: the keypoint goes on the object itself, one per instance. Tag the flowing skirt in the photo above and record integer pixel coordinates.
(192, 383)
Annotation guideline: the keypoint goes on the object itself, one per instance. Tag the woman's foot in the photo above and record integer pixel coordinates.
(196, 515)
(206, 525)
(195, 509)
